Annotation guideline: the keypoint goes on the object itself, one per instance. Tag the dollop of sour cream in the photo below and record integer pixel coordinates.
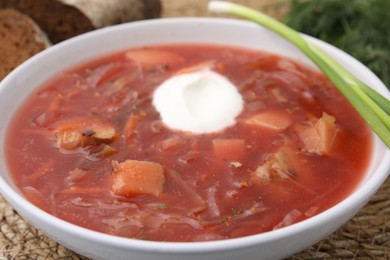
(199, 102)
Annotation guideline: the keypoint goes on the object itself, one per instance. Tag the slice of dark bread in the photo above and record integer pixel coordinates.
(63, 19)
(58, 20)
(20, 38)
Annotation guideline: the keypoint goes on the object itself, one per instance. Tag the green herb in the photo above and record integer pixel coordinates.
(140, 235)
(163, 205)
(222, 220)
(236, 211)
(372, 106)
(359, 27)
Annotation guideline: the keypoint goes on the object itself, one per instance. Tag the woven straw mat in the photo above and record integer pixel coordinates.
(366, 236)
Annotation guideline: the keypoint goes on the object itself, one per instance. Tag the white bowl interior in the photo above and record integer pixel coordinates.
(20, 83)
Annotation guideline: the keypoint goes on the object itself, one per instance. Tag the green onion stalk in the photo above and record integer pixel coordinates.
(373, 107)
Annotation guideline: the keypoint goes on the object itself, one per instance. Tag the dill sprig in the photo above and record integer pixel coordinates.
(359, 27)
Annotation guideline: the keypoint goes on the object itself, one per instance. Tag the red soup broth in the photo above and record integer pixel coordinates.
(89, 147)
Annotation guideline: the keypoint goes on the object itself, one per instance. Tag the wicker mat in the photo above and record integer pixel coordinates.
(366, 236)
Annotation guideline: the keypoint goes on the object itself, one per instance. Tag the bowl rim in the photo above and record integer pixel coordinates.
(365, 190)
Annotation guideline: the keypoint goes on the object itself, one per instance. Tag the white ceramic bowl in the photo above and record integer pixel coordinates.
(272, 245)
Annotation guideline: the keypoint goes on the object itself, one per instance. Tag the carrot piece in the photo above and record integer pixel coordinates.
(38, 132)
(130, 126)
(150, 57)
(264, 61)
(229, 149)
(132, 178)
(68, 124)
(42, 170)
(318, 138)
(35, 197)
(102, 73)
(55, 104)
(171, 142)
(76, 175)
(81, 190)
(277, 120)
(197, 67)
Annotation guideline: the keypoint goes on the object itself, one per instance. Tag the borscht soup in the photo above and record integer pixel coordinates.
(187, 142)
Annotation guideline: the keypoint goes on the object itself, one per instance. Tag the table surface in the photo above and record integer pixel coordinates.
(366, 236)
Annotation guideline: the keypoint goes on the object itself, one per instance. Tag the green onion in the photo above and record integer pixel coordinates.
(373, 107)
(163, 205)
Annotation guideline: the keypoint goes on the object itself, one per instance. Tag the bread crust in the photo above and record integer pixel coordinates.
(63, 19)
(20, 38)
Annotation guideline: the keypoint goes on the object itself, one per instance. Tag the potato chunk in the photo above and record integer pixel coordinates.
(229, 149)
(276, 166)
(276, 120)
(133, 178)
(319, 137)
